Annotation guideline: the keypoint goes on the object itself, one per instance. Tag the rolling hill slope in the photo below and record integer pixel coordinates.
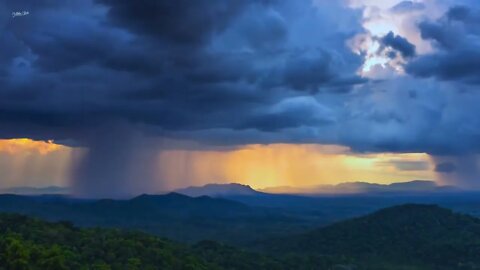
(30, 244)
(173, 215)
(403, 237)
(424, 236)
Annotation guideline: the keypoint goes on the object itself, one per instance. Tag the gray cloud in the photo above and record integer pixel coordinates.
(406, 165)
(411, 165)
(460, 170)
(407, 6)
(123, 61)
(456, 35)
(399, 43)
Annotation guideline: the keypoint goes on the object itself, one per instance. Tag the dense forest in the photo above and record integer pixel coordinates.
(408, 236)
(28, 243)
(401, 237)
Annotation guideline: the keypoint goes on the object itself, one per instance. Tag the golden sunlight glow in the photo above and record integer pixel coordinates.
(18, 145)
(285, 164)
(25, 162)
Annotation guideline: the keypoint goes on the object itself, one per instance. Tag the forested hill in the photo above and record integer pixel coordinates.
(172, 215)
(400, 237)
(27, 243)
(425, 236)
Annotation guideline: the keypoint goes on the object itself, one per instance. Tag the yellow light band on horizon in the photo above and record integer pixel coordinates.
(40, 163)
(285, 164)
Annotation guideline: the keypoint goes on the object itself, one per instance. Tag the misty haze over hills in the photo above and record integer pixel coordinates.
(364, 187)
(219, 190)
(222, 190)
(235, 219)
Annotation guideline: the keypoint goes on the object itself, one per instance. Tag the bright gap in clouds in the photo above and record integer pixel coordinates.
(380, 18)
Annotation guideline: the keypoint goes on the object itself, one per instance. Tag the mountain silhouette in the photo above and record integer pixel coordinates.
(218, 190)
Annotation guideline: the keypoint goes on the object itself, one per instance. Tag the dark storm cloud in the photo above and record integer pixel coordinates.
(110, 76)
(181, 22)
(228, 74)
(464, 14)
(456, 65)
(183, 65)
(456, 37)
(399, 43)
(311, 73)
(292, 113)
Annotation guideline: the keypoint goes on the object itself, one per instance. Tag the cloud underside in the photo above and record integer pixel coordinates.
(234, 73)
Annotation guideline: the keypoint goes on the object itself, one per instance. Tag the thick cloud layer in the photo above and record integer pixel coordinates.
(182, 66)
(229, 74)
(457, 38)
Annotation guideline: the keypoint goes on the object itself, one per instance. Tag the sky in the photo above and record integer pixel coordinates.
(124, 97)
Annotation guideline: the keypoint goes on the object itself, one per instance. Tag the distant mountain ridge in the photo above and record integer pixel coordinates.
(236, 189)
(218, 190)
(364, 187)
(347, 188)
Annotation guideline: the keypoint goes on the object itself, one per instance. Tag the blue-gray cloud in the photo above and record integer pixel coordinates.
(407, 6)
(183, 66)
(456, 37)
(246, 72)
(399, 43)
